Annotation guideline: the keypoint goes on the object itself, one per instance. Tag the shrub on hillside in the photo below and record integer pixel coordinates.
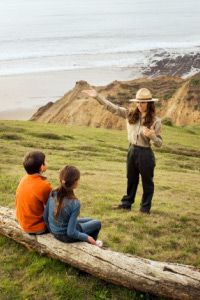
(195, 82)
(167, 121)
(47, 135)
(11, 136)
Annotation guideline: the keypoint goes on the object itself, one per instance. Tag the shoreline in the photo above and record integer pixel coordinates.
(21, 95)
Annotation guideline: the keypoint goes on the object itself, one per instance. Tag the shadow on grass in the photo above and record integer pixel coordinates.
(47, 135)
(11, 136)
(179, 151)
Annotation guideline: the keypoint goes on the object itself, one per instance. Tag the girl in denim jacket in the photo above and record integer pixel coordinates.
(63, 208)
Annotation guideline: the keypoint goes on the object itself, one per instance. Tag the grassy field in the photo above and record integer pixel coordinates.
(170, 233)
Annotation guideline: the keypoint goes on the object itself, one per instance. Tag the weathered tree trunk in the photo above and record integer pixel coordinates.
(159, 278)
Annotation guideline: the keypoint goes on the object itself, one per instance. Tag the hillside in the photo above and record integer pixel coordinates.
(170, 233)
(179, 101)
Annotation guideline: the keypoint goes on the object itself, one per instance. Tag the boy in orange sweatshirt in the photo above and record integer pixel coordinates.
(32, 194)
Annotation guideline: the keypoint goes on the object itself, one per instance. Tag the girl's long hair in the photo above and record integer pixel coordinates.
(68, 176)
(134, 115)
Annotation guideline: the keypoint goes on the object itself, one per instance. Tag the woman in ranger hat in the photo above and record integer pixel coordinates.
(143, 129)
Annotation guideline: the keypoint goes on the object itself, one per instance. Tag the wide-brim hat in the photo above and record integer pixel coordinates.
(144, 95)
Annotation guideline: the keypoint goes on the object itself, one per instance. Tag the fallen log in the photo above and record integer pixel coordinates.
(159, 278)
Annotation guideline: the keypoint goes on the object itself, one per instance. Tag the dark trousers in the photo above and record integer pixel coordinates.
(140, 160)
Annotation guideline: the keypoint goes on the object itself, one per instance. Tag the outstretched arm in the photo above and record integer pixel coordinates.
(113, 108)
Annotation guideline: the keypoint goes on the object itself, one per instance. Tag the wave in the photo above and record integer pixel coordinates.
(57, 65)
(136, 63)
(183, 47)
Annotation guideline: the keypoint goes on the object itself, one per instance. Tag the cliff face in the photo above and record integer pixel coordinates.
(179, 101)
(184, 106)
(76, 108)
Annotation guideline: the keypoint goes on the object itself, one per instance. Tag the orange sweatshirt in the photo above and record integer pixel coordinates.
(31, 197)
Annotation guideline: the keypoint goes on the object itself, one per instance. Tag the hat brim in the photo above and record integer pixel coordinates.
(149, 100)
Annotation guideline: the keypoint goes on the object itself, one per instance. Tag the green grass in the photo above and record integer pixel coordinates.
(170, 233)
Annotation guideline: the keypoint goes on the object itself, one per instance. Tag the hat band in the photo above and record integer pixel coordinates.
(144, 98)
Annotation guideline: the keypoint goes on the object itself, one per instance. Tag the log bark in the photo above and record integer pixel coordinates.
(159, 278)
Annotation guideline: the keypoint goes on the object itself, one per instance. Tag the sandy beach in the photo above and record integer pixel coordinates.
(21, 95)
(52, 46)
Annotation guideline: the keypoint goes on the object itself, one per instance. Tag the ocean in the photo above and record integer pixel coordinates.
(49, 35)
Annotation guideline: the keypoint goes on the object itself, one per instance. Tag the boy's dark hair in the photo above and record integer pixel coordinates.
(33, 162)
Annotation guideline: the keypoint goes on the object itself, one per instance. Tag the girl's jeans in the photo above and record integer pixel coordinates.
(86, 225)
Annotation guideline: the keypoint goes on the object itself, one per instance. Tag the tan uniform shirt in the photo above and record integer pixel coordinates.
(136, 136)
(135, 131)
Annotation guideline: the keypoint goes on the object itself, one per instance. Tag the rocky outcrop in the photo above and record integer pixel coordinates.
(173, 64)
(179, 101)
(76, 108)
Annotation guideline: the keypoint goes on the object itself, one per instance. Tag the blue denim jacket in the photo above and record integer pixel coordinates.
(66, 222)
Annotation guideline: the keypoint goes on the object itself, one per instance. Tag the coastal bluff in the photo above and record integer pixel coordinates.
(179, 102)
